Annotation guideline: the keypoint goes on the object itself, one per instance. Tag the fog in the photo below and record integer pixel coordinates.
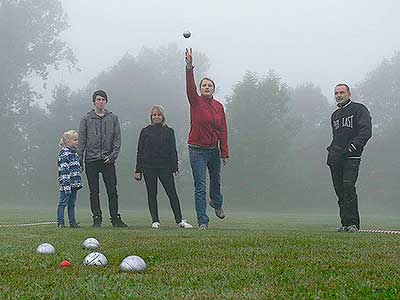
(323, 42)
(286, 55)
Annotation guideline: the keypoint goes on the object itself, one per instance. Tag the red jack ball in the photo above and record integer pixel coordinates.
(65, 264)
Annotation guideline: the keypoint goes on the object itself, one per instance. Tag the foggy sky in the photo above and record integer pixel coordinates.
(323, 42)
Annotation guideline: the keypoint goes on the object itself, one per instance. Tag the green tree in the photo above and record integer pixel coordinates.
(380, 92)
(30, 45)
(307, 170)
(260, 129)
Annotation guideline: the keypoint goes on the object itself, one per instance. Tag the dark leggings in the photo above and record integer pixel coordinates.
(167, 180)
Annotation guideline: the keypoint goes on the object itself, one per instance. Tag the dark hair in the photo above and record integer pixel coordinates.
(343, 84)
(100, 93)
(206, 78)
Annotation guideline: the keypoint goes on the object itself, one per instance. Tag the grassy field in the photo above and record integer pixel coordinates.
(243, 257)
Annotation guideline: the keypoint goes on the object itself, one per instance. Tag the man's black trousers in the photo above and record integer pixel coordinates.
(344, 177)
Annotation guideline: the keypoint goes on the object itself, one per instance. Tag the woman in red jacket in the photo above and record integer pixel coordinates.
(208, 143)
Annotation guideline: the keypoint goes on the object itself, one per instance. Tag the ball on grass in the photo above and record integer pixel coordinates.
(95, 259)
(45, 249)
(91, 244)
(133, 263)
(65, 264)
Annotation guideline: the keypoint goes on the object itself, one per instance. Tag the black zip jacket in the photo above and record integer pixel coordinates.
(157, 148)
(351, 128)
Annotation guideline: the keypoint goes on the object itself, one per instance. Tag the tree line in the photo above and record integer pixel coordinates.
(277, 133)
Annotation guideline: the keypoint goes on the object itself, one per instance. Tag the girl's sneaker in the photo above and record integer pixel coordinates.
(74, 225)
(184, 224)
(60, 225)
(155, 225)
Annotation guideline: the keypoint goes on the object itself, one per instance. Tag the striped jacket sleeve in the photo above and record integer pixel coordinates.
(64, 174)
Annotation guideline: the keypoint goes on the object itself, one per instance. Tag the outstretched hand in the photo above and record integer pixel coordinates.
(189, 58)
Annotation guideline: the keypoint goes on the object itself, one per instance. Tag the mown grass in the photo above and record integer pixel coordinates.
(243, 257)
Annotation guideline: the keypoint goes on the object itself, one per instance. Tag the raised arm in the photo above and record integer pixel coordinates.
(191, 89)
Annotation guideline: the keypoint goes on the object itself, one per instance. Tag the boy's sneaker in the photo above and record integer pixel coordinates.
(352, 228)
(184, 224)
(155, 225)
(97, 221)
(341, 229)
(203, 227)
(60, 225)
(74, 225)
(117, 221)
(219, 212)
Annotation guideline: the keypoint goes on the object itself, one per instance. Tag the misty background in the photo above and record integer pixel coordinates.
(275, 64)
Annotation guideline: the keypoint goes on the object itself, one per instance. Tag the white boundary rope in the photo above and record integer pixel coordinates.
(380, 231)
(28, 224)
(53, 222)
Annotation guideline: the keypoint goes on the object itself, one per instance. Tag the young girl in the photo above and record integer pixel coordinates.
(157, 158)
(69, 177)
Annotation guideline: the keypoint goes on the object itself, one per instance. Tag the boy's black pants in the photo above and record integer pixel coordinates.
(93, 169)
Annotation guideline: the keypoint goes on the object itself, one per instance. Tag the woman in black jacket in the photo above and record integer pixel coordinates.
(157, 158)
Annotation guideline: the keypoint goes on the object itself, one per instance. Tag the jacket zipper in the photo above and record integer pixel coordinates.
(101, 138)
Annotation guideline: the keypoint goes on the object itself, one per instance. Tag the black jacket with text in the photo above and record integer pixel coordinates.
(351, 128)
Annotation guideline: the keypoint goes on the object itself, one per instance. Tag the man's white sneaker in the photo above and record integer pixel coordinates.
(184, 224)
(352, 229)
(155, 225)
(341, 229)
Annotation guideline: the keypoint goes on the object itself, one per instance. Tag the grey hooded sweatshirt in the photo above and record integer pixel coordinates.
(99, 137)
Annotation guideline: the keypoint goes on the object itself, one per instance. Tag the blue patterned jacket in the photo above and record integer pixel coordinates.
(69, 170)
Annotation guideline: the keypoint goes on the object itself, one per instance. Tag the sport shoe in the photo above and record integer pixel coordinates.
(74, 225)
(341, 229)
(60, 225)
(203, 227)
(219, 212)
(352, 229)
(97, 221)
(117, 221)
(184, 224)
(155, 225)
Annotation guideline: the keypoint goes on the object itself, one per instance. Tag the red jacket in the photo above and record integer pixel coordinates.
(207, 119)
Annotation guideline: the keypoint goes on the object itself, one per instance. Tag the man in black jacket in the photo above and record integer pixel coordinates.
(99, 145)
(351, 128)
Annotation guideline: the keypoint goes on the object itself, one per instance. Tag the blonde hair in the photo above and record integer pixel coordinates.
(66, 137)
(161, 110)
